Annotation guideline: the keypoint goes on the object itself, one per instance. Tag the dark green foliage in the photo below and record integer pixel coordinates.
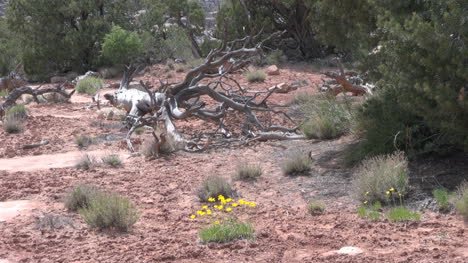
(8, 48)
(226, 232)
(401, 214)
(442, 197)
(121, 46)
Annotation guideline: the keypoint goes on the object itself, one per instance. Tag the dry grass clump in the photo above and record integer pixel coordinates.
(461, 203)
(80, 197)
(316, 208)
(212, 187)
(112, 160)
(89, 85)
(86, 162)
(226, 232)
(151, 148)
(248, 172)
(12, 124)
(56, 98)
(377, 175)
(18, 111)
(297, 164)
(52, 222)
(256, 76)
(110, 211)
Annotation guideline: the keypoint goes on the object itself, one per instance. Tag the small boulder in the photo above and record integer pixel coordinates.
(273, 70)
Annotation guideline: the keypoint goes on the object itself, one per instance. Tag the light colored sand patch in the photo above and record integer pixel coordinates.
(48, 161)
(12, 209)
(352, 251)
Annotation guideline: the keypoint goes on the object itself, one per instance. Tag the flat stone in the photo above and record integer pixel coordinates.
(273, 70)
(352, 251)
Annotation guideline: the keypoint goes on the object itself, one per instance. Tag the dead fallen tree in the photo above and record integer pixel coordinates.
(207, 84)
(345, 82)
(15, 94)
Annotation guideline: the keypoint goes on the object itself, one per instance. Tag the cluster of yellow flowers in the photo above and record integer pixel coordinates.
(225, 204)
(390, 191)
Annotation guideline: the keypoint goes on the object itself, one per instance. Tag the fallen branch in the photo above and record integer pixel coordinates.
(34, 145)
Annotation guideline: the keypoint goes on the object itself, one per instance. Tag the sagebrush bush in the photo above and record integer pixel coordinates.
(227, 231)
(86, 162)
(83, 141)
(461, 203)
(326, 117)
(213, 187)
(401, 214)
(121, 46)
(18, 111)
(151, 148)
(110, 211)
(256, 76)
(80, 197)
(316, 208)
(112, 160)
(12, 124)
(248, 172)
(297, 164)
(89, 85)
(442, 199)
(275, 57)
(377, 175)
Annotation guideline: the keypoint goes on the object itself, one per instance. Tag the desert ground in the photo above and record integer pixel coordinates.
(33, 184)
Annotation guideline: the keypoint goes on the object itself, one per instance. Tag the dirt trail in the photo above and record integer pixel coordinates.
(49, 161)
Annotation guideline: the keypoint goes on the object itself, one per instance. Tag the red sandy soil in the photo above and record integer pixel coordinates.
(164, 190)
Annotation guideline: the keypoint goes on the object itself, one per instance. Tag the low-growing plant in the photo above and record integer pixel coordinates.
(227, 231)
(442, 199)
(112, 160)
(140, 130)
(297, 164)
(316, 208)
(377, 176)
(12, 124)
(275, 57)
(256, 76)
(461, 203)
(248, 172)
(151, 148)
(84, 141)
(213, 187)
(18, 111)
(86, 162)
(401, 214)
(52, 222)
(326, 117)
(80, 197)
(89, 85)
(3, 93)
(370, 211)
(110, 211)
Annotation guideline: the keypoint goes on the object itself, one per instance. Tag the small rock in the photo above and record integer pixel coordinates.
(273, 70)
(283, 88)
(352, 251)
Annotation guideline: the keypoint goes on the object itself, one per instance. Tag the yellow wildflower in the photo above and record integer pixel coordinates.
(220, 197)
(208, 212)
(229, 200)
(220, 207)
(223, 202)
(367, 193)
(216, 222)
(388, 192)
(246, 203)
(399, 194)
(205, 207)
(234, 204)
(365, 202)
(211, 199)
(228, 209)
(240, 201)
(193, 216)
(252, 204)
(392, 189)
(201, 213)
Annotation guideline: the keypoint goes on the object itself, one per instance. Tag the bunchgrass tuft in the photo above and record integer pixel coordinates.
(110, 211)
(442, 198)
(227, 231)
(89, 85)
(401, 214)
(80, 197)
(378, 175)
(256, 76)
(18, 111)
(248, 172)
(316, 208)
(372, 211)
(84, 141)
(112, 160)
(86, 162)
(297, 164)
(213, 187)
(12, 124)
(461, 203)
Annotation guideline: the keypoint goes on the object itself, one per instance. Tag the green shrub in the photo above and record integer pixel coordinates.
(316, 208)
(112, 160)
(297, 164)
(377, 175)
(461, 204)
(18, 111)
(213, 187)
(80, 197)
(248, 172)
(442, 198)
(89, 85)
(12, 124)
(276, 57)
(86, 162)
(177, 44)
(256, 76)
(401, 214)
(226, 232)
(208, 45)
(3, 93)
(84, 141)
(110, 211)
(327, 118)
(121, 46)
